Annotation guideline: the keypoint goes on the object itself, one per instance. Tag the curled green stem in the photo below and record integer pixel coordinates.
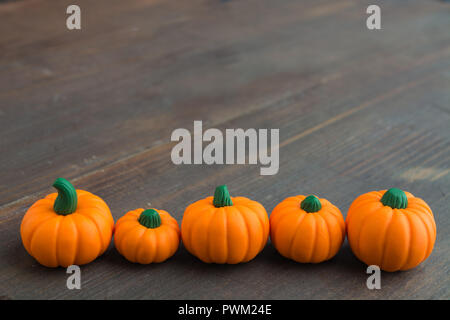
(66, 202)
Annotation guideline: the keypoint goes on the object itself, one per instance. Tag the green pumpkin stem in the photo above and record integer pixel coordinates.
(66, 202)
(150, 218)
(311, 204)
(222, 197)
(395, 198)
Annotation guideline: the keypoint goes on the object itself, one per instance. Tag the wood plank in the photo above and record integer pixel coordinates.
(49, 74)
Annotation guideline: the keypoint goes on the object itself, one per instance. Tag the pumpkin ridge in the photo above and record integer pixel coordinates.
(385, 242)
(170, 233)
(139, 246)
(429, 234)
(361, 226)
(280, 216)
(411, 241)
(56, 241)
(207, 249)
(262, 225)
(77, 242)
(128, 223)
(313, 248)
(210, 230)
(363, 202)
(336, 214)
(190, 233)
(33, 231)
(227, 240)
(281, 206)
(356, 238)
(408, 251)
(300, 218)
(99, 233)
(124, 236)
(172, 224)
(286, 204)
(339, 216)
(155, 241)
(100, 206)
(330, 240)
(43, 203)
(247, 229)
(166, 219)
(164, 245)
(355, 206)
(417, 202)
(256, 208)
(94, 221)
(37, 228)
(138, 243)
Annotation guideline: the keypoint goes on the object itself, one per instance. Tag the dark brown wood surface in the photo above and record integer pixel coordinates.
(357, 110)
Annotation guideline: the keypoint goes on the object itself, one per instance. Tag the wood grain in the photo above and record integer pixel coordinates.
(357, 110)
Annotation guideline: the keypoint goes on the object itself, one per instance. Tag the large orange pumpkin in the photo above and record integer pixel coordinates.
(146, 236)
(307, 229)
(71, 227)
(224, 229)
(391, 229)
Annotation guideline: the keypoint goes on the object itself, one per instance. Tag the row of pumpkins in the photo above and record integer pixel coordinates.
(391, 229)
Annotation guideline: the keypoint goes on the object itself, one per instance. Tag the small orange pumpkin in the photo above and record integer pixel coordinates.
(71, 227)
(147, 236)
(391, 229)
(307, 229)
(224, 229)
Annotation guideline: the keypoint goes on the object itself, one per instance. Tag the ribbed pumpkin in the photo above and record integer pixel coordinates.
(224, 229)
(391, 229)
(147, 236)
(71, 227)
(307, 229)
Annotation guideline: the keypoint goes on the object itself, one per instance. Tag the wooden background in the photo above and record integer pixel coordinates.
(357, 110)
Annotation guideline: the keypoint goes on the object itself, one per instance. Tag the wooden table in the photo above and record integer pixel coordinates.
(358, 110)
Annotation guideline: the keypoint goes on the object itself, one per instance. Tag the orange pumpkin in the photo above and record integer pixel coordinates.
(391, 229)
(307, 229)
(71, 227)
(224, 229)
(147, 236)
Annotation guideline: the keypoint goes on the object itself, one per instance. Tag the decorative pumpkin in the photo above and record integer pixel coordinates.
(146, 236)
(71, 227)
(391, 229)
(224, 229)
(307, 229)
